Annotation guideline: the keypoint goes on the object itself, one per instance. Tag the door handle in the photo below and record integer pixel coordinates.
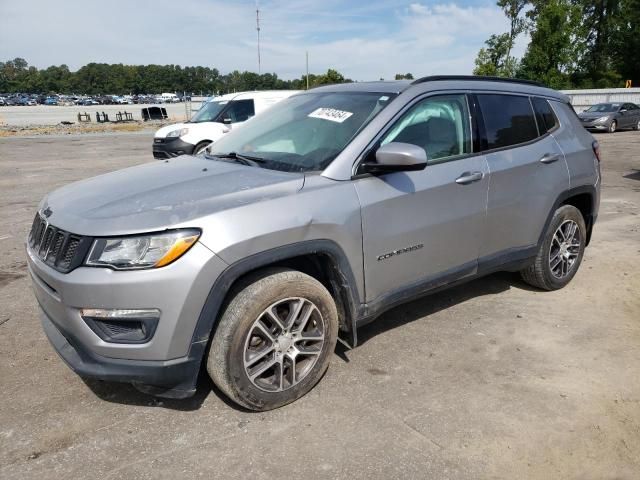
(469, 177)
(550, 158)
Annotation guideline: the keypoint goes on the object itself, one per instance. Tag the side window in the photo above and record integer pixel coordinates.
(240, 111)
(508, 120)
(544, 115)
(439, 124)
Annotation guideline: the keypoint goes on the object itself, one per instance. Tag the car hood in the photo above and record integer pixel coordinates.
(160, 195)
(203, 129)
(594, 115)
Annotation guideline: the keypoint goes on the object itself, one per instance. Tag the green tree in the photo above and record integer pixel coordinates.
(495, 58)
(552, 54)
(625, 42)
(404, 76)
(491, 59)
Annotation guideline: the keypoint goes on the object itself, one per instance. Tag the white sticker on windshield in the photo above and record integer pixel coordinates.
(331, 114)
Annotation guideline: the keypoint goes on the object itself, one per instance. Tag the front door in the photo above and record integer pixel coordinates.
(423, 228)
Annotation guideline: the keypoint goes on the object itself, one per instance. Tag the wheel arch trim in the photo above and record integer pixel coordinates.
(562, 198)
(210, 312)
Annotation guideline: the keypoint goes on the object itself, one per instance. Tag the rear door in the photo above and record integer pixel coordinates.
(527, 173)
(422, 228)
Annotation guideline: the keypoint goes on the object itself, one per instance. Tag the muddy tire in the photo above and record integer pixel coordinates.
(274, 340)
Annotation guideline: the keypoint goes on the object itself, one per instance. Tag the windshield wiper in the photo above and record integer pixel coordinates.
(243, 159)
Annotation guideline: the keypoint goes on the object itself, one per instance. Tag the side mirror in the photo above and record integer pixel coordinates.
(396, 157)
(227, 120)
(623, 110)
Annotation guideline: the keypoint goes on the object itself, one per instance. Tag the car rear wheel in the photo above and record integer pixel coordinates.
(274, 340)
(613, 126)
(561, 252)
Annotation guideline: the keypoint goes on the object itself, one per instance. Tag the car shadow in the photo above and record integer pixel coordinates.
(633, 176)
(440, 300)
(496, 283)
(126, 394)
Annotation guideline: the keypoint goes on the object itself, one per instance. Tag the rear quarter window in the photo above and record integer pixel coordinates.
(508, 120)
(545, 117)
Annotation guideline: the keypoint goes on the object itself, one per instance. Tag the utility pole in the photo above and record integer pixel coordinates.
(258, 30)
(307, 52)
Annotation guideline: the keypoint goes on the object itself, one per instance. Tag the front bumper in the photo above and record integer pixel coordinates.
(174, 378)
(164, 148)
(170, 360)
(595, 127)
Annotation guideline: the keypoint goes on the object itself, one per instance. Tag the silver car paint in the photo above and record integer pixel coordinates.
(522, 191)
(243, 211)
(426, 207)
(576, 144)
(178, 290)
(164, 194)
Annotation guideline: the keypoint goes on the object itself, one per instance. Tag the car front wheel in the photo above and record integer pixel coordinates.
(200, 147)
(274, 340)
(613, 127)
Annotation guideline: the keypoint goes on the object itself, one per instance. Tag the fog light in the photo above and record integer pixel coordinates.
(122, 325)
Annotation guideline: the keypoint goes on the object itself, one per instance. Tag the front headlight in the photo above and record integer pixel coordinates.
(181, 132)
(144, 251)
(602, 119)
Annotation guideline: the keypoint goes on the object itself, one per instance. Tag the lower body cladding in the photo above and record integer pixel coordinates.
(129, 326)
(164, 148)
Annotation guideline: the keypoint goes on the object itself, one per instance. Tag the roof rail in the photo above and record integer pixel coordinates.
(477, 78)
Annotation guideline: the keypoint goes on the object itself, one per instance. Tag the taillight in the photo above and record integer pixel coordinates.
(596, 149)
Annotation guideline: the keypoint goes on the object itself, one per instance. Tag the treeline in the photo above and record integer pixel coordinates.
(574, 43)
(118, 79)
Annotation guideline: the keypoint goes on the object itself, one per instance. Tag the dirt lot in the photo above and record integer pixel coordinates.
(52, 114)
(488, 380)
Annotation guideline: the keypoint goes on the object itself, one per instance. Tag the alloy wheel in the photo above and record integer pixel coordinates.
(565, 249)
(283, 344)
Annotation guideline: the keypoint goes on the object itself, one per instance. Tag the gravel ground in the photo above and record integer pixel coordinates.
(488, 380)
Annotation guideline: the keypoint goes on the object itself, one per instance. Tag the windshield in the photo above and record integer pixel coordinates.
(305, 132)
(604, 107)
(209, 112)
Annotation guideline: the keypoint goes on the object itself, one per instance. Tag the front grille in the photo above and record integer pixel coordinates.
(59, 249)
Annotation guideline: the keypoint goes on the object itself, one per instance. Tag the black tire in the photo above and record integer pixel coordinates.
(540, 274)
(200, 146)
(637, 126)
(225, 362)
(613, 126)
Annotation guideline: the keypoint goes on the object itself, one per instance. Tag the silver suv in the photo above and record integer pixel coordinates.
(305, 224)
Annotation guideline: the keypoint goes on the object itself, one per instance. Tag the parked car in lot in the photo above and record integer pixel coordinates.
(212, 121)
(341, 203)
(609, 117)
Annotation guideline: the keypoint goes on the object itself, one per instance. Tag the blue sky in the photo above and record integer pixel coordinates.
(365, 40)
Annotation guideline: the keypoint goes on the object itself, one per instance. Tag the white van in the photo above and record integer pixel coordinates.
(215, 118)
(170, 98)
